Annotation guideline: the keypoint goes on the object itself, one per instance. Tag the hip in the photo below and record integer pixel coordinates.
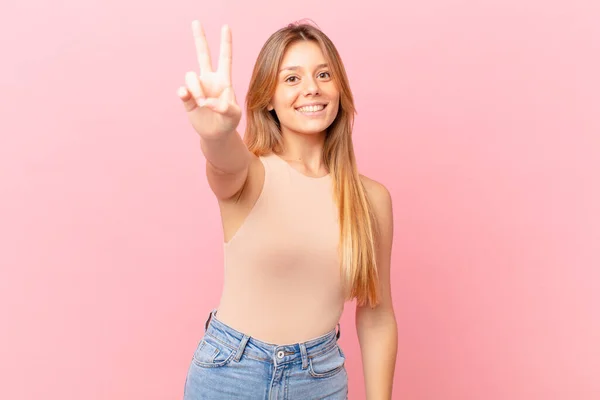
(228, 363)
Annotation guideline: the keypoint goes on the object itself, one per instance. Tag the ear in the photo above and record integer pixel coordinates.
(270, 107)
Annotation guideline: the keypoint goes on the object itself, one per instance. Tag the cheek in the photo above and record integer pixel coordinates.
(284, 98)
(290, 98)
(335, 101)
(332, 92)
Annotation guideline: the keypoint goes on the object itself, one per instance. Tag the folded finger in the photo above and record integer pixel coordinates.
(188, 100)
(193, 85)
(225, 104)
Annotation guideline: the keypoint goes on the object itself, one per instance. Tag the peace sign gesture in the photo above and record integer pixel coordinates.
(208, 96)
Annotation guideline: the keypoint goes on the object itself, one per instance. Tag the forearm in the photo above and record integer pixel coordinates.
(379, 346)
(226, 154)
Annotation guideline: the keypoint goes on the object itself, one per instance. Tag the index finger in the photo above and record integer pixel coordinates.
(201, 47)
(225, 54)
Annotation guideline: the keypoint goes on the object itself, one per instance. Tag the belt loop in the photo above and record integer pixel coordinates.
(241, 347)
(304, 355)
(208, 320)
(339, 328)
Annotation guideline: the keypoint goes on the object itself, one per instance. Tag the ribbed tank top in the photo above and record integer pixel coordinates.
(282, 273)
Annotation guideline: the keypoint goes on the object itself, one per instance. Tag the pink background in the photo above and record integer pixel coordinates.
(481, 117)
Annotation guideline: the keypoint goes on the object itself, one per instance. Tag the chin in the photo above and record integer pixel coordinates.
(314, 128)
(311, 130)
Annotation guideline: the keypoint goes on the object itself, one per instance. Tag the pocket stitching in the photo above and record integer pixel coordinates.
(327, 374)
(212, 364)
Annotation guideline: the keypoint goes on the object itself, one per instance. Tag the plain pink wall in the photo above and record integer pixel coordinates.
(481, 117)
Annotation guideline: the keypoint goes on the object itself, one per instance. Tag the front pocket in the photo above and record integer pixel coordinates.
(327, 364)
(212, 353)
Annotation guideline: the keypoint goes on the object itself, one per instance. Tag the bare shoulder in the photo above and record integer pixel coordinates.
(381, 200)
(378, 195)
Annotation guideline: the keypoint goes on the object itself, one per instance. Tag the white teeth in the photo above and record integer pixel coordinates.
(311, 108)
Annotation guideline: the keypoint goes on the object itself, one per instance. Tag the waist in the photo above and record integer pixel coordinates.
(265, 351)
(281, 321)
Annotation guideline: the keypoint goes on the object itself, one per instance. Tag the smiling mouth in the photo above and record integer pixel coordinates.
(311, 109)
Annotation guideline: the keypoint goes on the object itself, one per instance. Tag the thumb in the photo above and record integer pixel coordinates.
(227, 103)
(224, 104)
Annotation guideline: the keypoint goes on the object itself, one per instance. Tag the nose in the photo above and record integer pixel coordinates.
(311, 87)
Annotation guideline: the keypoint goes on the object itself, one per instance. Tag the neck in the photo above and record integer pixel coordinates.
(304, 149)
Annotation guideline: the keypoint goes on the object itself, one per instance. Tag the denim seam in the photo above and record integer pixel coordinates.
(312, 355)
(327, 374)
(228, 345)
(309, 355)
(246, 354)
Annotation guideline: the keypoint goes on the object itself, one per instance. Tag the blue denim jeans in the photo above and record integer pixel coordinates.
(229, 364)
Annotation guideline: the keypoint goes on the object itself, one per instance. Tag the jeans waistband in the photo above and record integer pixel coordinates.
(257, 349)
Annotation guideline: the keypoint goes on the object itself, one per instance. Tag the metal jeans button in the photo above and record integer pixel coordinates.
(280, 354)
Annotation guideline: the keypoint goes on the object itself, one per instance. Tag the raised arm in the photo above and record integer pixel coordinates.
(209, 100)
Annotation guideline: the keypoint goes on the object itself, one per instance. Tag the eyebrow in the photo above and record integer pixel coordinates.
(296, 67)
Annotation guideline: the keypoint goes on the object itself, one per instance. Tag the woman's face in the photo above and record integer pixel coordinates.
(306, 98)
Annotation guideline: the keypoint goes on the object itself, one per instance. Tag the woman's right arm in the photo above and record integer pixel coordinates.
(214, 113)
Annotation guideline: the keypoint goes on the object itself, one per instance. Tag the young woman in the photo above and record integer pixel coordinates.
(304, 232)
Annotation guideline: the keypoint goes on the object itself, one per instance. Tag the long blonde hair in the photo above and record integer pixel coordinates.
(358, 226)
